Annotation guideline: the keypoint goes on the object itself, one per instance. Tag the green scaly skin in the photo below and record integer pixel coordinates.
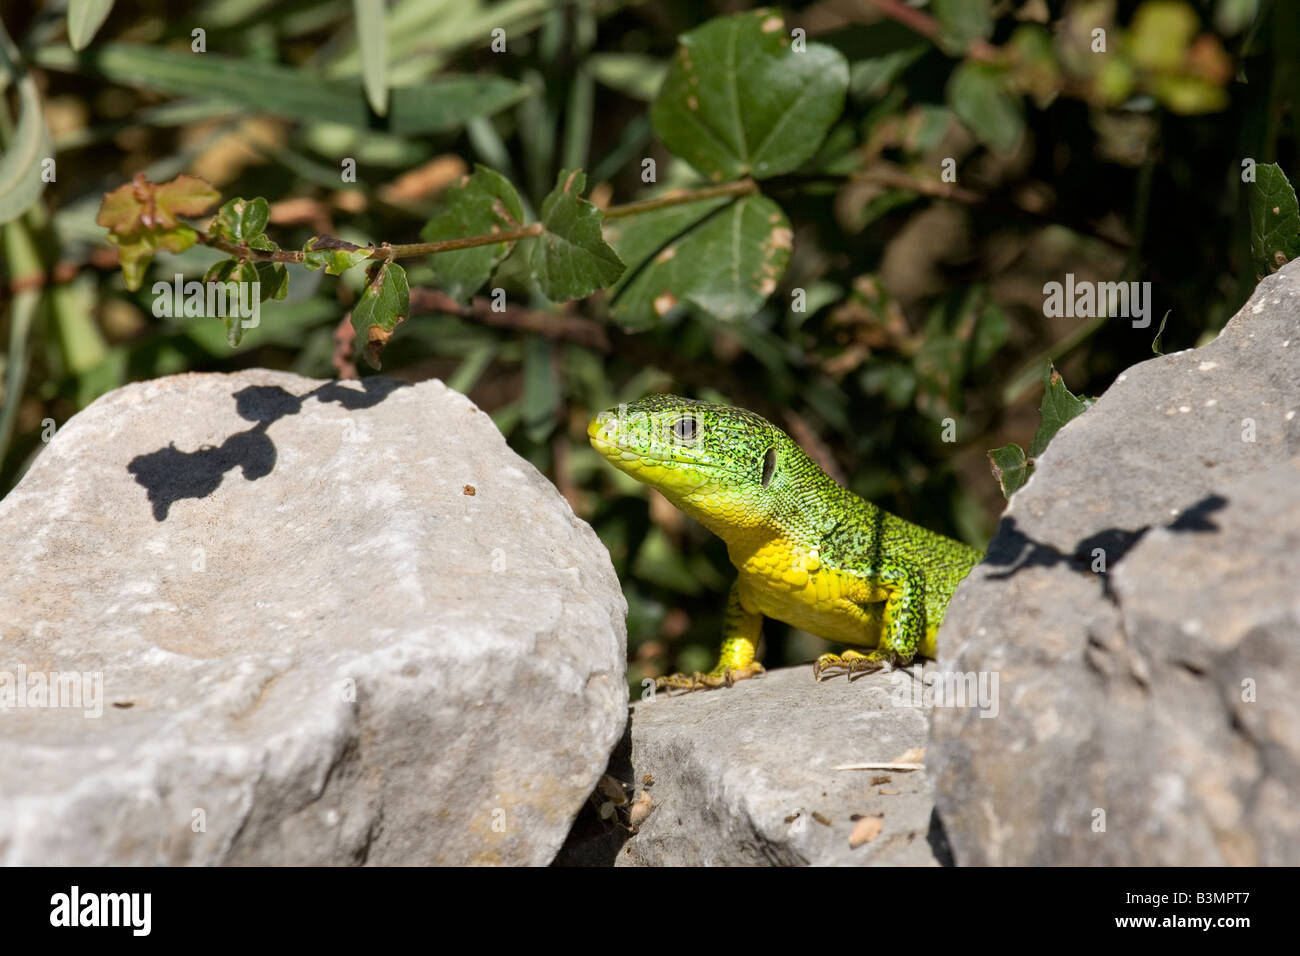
(809, 552)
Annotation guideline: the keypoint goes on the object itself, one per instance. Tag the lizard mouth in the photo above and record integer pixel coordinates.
(618, 453)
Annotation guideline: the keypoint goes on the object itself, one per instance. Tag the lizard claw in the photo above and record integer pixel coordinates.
(850, 663)
(718, 677)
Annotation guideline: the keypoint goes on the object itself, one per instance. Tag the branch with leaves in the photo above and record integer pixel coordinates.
(721, 248)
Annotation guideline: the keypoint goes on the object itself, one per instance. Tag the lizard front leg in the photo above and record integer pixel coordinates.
(901, 632)
(740, 631)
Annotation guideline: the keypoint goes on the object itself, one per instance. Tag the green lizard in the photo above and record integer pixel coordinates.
(809, 552)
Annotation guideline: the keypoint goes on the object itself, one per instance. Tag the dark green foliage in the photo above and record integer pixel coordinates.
(872, 284)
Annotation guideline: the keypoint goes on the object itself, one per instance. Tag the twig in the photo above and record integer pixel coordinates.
(739, 187)
(676, 197)
(899, 767)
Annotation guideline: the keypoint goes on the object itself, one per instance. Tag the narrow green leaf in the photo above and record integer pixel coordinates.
(632, 74)
(1155, 343)
(571, 259)
(384, 304)
(542, 391)
(373, 40)
(978, 95)
(1009, 468)
(486, 202)
(739, 101)
(438, 104)
(85, 17)
(1274, 220)
(21, 183)
(725, 258)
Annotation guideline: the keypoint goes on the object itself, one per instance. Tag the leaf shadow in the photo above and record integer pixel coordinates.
(1014, 550)
(169, 475)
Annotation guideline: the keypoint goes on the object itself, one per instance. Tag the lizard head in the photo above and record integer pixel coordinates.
(719, 464)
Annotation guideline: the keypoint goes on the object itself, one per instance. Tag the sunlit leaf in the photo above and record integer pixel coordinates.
(724, 256)
(85, 17)
(486, 202)
(572, 259)
(739, 101)
(384, 304)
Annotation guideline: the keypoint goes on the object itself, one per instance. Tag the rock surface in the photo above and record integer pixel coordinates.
(746, 776)
(334, 623)
(1140, 605)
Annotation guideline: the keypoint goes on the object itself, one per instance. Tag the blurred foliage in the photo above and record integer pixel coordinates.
(898, 331)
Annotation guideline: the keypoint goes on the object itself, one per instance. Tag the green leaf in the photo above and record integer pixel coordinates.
(991, 333)
(85, 17)
(29, 144)
(134, 250)
(373, 40)
(738, 101)
(241, 219)
(177, 239)
(336, 256)
(273, 280)
(978, 94)
(232, 270)
(1155, 343)
(1059, 406)
(571, 259)
(1010, 468)
(722, 256)
(632, 74)
(486, 202)
(874, 76)
(1274, 220)
(438, 104)
(384, 303)
(962, 21)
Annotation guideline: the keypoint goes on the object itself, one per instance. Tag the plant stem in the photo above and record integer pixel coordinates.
(740, 187)
(678, 197)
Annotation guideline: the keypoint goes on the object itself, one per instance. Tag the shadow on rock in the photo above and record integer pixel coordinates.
(1014, 550)
(169, 474)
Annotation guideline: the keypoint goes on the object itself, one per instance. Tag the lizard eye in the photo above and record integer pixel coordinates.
(769, 466)
(685, 429)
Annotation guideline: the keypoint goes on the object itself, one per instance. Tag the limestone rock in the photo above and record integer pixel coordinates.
(330, 622)
(746, 776)
(1139, 603)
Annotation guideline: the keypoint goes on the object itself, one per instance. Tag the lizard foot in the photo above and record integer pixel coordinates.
(850, 662)
(718, 677)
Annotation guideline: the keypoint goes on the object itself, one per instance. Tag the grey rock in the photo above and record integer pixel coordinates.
(316, 645)
(1122, 691)
(741, 775)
